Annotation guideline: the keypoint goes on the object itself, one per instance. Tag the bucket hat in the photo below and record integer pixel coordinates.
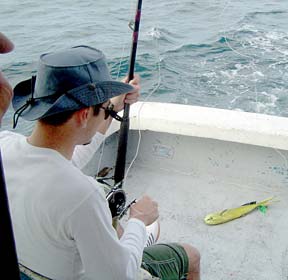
(68, 80)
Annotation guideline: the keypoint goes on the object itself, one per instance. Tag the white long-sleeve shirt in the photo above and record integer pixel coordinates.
(61, 219)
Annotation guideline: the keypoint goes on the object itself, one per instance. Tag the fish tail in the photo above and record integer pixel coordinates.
(266, 201)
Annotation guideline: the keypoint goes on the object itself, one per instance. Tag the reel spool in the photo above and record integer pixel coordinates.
(117, 200)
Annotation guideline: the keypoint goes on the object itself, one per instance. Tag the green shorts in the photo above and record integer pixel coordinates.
(166, 261)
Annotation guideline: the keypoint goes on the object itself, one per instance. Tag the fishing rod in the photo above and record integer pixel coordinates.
(124, 128)
(9, 261)
(116, 197)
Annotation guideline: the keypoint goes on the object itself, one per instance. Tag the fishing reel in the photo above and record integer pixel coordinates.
(115, 195)
(116, 198)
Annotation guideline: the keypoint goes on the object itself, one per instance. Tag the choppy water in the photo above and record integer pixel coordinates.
(216, 53)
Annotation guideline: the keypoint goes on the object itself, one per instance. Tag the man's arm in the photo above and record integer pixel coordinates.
(101, 251)
(83, 153)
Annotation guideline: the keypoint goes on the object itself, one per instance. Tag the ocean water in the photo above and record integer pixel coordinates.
(215, 53)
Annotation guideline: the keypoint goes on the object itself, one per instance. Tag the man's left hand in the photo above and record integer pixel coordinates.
(128, 98)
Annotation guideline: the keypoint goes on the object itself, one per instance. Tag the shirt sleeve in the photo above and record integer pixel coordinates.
(84, 153)
(102, 253)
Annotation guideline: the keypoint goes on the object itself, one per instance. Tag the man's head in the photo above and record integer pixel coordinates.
(6, 92)
(66, 81)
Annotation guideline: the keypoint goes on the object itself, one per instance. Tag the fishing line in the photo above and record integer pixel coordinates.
(124, 47)
(226, 5)
(117, 77)
(235, 51)
(158, 66)
(251, 58)
(225, 36)
(283, 157)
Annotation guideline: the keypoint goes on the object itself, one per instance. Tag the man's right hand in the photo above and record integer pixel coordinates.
(145, 209)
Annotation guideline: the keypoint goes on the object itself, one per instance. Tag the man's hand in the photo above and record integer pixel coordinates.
(128, 98)
(145, 210)
(6, 92)
(5, 44)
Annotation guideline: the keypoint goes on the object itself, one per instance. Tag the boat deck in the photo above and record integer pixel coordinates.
(254, 247)
(191, 177)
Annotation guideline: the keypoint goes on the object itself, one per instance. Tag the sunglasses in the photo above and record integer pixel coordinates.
(111, 113)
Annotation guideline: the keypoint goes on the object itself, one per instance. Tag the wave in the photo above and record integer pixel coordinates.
(266, 14)
(161, 34)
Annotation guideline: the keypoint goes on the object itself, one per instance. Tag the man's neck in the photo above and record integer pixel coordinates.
(53, 137)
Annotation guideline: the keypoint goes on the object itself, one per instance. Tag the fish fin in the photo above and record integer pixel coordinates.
(249, 203)
(222, 212)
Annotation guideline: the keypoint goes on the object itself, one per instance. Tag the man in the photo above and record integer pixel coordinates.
(7, 242)
(62, 222)
(6, 92)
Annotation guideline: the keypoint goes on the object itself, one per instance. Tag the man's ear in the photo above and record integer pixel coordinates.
(82, 116)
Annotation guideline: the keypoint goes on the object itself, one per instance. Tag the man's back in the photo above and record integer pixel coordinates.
(63, 225)
(50, 202)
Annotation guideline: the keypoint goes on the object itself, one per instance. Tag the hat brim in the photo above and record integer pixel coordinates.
(51, 105)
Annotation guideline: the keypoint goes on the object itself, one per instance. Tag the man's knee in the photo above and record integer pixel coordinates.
(193, 256)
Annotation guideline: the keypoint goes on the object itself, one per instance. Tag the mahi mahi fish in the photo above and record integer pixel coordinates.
(234, 213)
